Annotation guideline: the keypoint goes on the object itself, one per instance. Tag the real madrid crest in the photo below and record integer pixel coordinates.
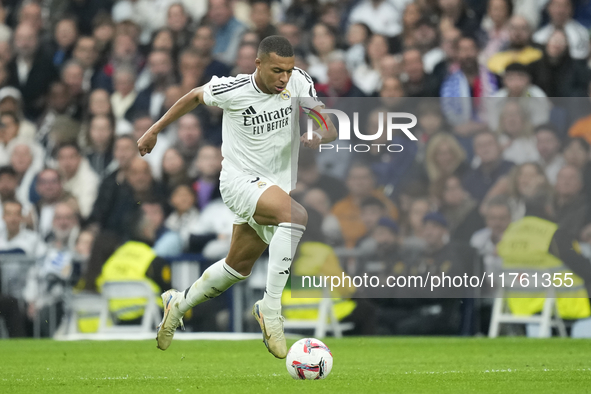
(285, 94)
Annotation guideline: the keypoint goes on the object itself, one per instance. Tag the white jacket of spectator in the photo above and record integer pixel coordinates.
(535, 100)
(215, 218)
(385, 19)
(26, 240)
(367, 79)
(84, 187)
(182, 224)
(24, 189)
(577, 35)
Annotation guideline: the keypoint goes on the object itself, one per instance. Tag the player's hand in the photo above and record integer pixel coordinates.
(147, 142)
(313, 143)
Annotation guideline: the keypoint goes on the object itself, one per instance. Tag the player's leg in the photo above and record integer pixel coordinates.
(276, 207)
(246, 247)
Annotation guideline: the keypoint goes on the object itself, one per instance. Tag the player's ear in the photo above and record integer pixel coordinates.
(257, 62)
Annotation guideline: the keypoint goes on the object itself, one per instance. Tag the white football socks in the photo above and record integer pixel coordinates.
(213, 282)
(281, 251)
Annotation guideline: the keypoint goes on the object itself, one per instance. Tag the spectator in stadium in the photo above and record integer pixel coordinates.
(471, 80)
(207, 165)
(367, 76)
(228, 30)
(417, 83)
(11, 100)
(150, 99)
(549, 145)
(371, 211)
(245, 60)
(339, 82)
(516, 134)
(310, 177)
(570, 204)
(319, 200)
(292, 32)
(185, 214)
(86, 53)
(383, 16)
(520, 48)
(211, 233)
(497, 215)
(496, 26)
(27, 161)
(412, 225)
(192, 70)
(560, 12)
(190, 136)
(30, 70)
(14, 238)
(459, 15)
(444, 157)
(101, 137)
(64, 37)
(179, 23)
(78, 177)
(174, 170)
(72, 76)
(459, 209)
(412, 14)
(356, 37)
(8, 184)
(163, 40)
(478, 181)
(556, 73)
(166, 243)
(517, 82)
(523, 182)
(9, 135)
(59, 104)
(48, 186)
(323, 48)
(260, 15)
(125, 94)
(425, 37)
(124, 52)
(204, 43)
(360, 184)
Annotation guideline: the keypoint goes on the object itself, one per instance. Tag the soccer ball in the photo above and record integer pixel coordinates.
(309, 359)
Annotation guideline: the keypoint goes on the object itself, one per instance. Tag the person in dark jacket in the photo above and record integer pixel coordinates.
(557, 73)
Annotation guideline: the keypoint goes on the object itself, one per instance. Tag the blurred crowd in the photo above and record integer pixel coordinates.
(81, 81)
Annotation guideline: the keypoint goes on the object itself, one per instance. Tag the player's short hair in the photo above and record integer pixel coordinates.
(275, 44)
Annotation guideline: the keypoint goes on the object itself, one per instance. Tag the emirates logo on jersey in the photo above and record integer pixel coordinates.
(266, 121)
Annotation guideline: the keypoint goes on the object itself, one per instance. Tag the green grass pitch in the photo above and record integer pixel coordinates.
(361, 365)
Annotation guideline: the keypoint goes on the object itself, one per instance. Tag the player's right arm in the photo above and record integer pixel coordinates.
(185, 104)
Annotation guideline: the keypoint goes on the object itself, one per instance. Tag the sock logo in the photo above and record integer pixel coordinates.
(286, 272)
(286, 259)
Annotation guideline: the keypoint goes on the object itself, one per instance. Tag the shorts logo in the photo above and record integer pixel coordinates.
(261, 184)
(255, 180)
(285, 94)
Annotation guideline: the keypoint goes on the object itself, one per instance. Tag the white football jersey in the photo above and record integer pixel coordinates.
(260, 132)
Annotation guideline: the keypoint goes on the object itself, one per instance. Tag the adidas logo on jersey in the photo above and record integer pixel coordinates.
(249, 111)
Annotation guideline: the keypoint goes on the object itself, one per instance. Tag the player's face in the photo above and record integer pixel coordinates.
(274, 72)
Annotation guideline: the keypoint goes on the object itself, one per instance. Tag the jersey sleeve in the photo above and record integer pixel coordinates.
(307, 98)
(218, 91)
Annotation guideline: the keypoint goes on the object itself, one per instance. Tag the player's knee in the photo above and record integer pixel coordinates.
(299, 215)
